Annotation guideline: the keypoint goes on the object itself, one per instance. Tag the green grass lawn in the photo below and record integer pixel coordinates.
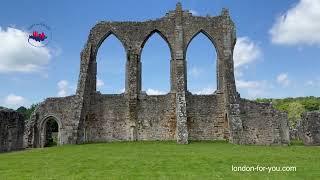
(159, 160)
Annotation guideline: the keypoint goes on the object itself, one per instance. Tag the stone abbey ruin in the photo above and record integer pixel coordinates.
(89, 116)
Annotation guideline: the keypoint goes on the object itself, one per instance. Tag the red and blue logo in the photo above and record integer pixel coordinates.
(39, 35)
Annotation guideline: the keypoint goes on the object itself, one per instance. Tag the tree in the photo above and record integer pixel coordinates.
(295, 109)
(22, 110)
(26, 112)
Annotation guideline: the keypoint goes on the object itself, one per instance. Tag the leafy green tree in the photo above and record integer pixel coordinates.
(23, 111)
(26, 112)
(295, 110)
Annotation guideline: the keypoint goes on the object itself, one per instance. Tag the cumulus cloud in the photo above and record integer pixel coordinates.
(62, 88)
(245, 52)
(154, 92)
(283, 79)
(14, 101)
(100, 83)
(17, 55)
(253, 89)
(299, 25)
(205, 91)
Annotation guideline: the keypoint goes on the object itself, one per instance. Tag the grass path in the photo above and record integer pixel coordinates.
(158, 160)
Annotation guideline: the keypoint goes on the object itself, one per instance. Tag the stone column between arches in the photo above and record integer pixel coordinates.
(133, 84)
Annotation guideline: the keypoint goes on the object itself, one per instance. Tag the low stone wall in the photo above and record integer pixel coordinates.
(309, 129)
(205, 117)
(156, 119)
(106, 120)
(262, 124)
(11, 130)
(65, 111)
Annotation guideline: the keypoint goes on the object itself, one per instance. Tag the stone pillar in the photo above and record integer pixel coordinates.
(134, 87)
(173, 81)
(180, 78)
(232, 99)
(219, 73)
(181, 104)
(84, 75)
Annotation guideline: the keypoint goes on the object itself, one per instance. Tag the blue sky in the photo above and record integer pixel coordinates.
(276, 54)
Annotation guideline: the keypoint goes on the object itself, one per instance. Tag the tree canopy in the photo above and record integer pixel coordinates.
(294, 106)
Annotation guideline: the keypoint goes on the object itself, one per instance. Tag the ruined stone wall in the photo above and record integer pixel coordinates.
(205, 117)
(156, 117)
(309, 129)
(11, 130)
(133, 115)
(107, 119)
(262, 124)
(65, 111)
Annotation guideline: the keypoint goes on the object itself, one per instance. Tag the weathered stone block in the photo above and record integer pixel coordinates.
(309, 129)
(11, 130)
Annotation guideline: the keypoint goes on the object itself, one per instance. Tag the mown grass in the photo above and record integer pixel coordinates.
(159, 160)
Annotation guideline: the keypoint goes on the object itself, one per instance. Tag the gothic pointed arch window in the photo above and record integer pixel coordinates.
(111, 61)
(155, 58)
(201, 60)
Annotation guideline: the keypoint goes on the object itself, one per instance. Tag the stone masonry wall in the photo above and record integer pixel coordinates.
(205, 117)
(64, 111)
(11, 130)
(309, 129)
(107, 119)
(156, 117)
(262, 124)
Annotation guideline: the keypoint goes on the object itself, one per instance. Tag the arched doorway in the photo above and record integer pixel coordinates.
(50, 129)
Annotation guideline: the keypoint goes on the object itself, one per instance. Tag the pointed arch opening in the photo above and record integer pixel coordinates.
(111, 62)
(155, 59)
(201, 57)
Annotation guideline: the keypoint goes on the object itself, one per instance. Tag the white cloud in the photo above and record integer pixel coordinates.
(122, 90)
(100, 83)
(196, 72)
(154, 92)
(63, 88)
(17, 55)
(299, 25)
(14, 101)
(205, 91)
(310, 83)
(194, 12)
(283, 79)
(248, 84)
(253, 89)
(245, 52)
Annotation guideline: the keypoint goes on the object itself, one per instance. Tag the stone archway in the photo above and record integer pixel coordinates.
(48, 133)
